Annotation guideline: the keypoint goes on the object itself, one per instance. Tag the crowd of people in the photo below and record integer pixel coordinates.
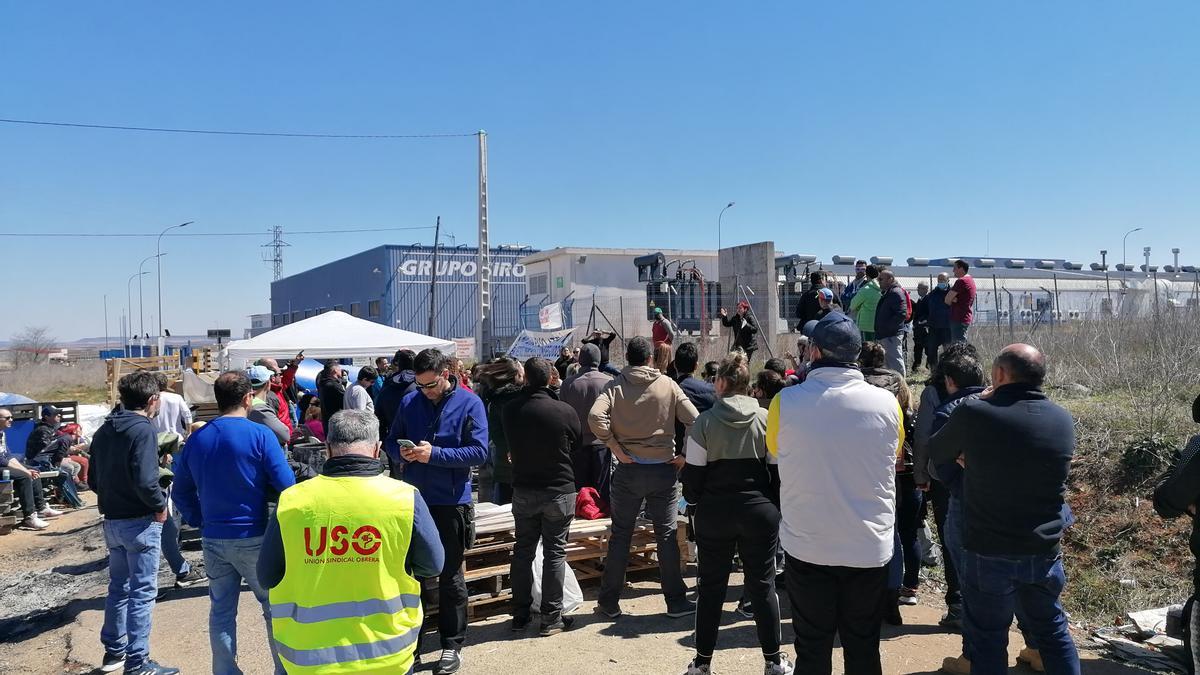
(815, 473)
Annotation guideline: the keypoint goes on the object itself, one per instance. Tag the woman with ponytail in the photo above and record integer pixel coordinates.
(730, 480)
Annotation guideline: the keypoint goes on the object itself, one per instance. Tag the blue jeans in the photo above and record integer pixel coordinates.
(228, 561)
(994, 587)
(170, 547)
(133, 549)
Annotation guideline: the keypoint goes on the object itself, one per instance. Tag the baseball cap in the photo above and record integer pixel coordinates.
(50, 411)
(826, 293)
(658, 310)
(259, 375)
(837, 335)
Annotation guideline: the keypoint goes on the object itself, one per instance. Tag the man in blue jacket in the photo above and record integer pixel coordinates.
(124, 476)
(228, 472)
(444, 432)
(1015, 446)
(938, 321)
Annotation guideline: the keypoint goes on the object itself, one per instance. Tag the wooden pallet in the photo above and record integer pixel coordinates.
(486, 566)
(122, 366)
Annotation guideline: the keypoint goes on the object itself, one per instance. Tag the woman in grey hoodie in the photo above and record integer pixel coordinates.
(729, 479)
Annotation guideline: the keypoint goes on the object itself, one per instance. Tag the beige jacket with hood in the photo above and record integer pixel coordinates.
(636, 414)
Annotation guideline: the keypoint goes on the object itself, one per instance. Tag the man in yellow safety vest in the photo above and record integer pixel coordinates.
(341, 557)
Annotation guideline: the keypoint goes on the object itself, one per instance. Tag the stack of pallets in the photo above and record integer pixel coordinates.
(10, 511)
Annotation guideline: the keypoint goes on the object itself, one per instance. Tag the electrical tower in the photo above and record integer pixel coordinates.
(275, 255)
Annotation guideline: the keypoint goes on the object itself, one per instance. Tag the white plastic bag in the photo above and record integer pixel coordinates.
(572, 595)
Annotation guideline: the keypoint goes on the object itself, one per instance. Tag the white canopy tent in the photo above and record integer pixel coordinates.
(332, 335)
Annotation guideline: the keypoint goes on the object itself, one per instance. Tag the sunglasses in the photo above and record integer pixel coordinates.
(431, 385)
(6, 418)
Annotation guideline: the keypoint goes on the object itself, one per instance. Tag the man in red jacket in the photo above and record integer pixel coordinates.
(662, 330)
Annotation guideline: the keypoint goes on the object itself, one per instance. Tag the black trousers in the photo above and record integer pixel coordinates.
(29, 491)
(453, 524)
(844, 601)
(920, 336)
(751, 527)
(933, 342)
(940, 496)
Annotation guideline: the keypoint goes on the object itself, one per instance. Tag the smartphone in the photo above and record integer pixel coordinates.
(406, 444)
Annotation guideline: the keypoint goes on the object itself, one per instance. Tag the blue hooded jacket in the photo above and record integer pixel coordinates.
(456, 427)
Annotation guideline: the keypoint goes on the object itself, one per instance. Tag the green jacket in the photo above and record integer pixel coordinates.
(863, 305)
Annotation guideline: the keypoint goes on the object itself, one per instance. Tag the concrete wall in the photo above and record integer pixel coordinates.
(752, 267)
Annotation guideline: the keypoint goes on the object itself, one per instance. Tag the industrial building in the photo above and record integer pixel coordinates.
(603, 278)
(394, 285)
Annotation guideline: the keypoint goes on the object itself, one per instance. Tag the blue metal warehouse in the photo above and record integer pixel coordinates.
(390, 285)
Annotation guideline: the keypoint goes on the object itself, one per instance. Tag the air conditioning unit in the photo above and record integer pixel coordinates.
(844, 259)
(1045, 264)
(881, 260)
(1014, 263)
(1003, 314)
(985, 262)
(918, 262)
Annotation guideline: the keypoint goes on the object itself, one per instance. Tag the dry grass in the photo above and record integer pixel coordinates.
(83, 381)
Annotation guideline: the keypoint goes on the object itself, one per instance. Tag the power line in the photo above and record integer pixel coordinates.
(208, 234)
(218, 132)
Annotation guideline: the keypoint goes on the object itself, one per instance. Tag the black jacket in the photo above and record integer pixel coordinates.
(601, 342)
(542, 432)
(1017, 446)
(891, 312)
(808, 308)
(744, 330)
(920, 318)
(332, 393)
(702, 395)
(40, 445)
(388, 401)
(124, 467)
(1179, 490)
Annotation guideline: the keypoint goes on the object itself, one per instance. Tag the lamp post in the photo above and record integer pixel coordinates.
(1124, 266)
(141, 301)
(719, 217)
(158, 250)
(129, 307)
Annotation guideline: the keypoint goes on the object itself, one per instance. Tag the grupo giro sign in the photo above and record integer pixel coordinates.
(451, 268)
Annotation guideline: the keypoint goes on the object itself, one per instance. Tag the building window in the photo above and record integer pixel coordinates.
(538, 284)
(308, 313)
(373, 309)
(338, 308)
(295, 317)
(356, 309)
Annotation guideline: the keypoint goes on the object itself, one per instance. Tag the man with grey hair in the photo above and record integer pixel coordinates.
(382, 538)
(891, 315)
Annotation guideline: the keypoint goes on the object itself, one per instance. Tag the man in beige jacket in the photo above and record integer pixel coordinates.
(635, 417)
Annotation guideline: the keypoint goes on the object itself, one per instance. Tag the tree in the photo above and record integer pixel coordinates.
(32, 345)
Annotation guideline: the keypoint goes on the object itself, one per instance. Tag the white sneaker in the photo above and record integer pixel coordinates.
(694, 669)
(34, 523)
(49, 513)
(784, 667)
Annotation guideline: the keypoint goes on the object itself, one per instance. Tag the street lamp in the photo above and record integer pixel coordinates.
(158, 250)
(1124, 266)
(141, 303)
(719, 217)
(129, 307)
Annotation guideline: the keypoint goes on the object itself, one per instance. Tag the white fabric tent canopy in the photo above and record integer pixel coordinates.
(332, 335)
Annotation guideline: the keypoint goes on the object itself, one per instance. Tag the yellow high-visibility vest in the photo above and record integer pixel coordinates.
(346, 603)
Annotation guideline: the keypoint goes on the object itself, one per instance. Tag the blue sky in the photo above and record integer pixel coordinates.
(859, 128)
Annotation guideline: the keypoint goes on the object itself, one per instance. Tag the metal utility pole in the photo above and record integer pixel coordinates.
(483, 325)
(276, 255)
(129, 307)
(158, 252)
(437, 230)
(142, 301)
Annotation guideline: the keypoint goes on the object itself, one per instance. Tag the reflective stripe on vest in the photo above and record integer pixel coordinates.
(344, 610)
(328, 656)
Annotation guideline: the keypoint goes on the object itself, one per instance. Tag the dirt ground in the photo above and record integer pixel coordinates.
(52, 604)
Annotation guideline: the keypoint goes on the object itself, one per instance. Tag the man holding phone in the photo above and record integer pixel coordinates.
(439, 433)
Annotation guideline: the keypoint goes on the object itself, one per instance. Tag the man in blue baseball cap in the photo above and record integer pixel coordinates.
(261, 411)
(836, 564)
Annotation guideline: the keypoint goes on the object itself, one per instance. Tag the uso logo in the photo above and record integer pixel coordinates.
(365, 540)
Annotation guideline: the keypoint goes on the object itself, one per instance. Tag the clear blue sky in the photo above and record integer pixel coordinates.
(858, 128)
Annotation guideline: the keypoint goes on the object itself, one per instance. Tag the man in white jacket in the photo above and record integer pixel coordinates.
(837, 498)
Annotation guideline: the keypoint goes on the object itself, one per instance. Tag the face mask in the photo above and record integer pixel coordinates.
(942, 285)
